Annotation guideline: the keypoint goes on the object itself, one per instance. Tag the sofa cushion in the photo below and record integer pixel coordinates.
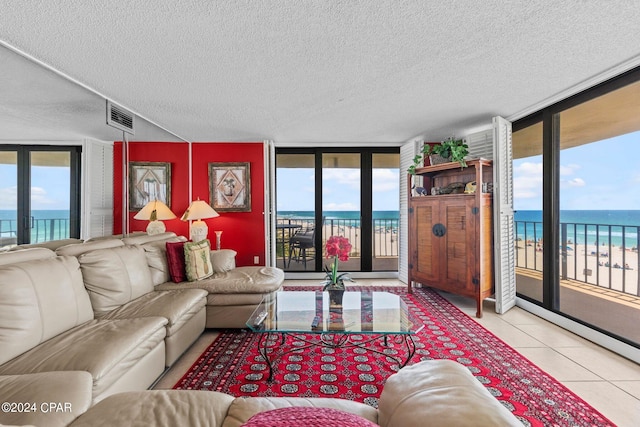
(157, 259)
(107, 349)
(176, 306)
(241, 280)
(156, 252)
(39, 299)
(158, 408)
(223, 260)
(175, 261)
(69, 391)
(439, 393)
(51, 244)
(23, 255)
(115, 236)
(144, 238)
(115, 276)
(78, 249)
(197, 260)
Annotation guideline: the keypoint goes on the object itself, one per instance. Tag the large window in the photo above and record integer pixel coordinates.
(585, 234)
(39, 194)
(346, 192)
(341, 203)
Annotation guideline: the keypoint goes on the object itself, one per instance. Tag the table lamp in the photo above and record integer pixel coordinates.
(199, 210)
(155, 212)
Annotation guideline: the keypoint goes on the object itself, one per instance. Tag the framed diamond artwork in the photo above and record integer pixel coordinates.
(149, 181)
(230, 186)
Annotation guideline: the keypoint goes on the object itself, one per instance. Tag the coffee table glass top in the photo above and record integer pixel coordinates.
(311, 312)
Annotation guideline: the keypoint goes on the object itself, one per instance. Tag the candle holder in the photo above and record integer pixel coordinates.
(218, 238)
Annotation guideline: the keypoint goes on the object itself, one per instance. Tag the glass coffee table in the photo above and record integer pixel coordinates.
(312, 321)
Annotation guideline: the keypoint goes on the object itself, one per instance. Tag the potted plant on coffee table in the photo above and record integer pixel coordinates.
(338, 248)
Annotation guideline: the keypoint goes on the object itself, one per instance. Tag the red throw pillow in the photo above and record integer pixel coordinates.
(307, 416)
(175, 259)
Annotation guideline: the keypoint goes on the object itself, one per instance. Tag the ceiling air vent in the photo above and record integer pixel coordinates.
(119, 118)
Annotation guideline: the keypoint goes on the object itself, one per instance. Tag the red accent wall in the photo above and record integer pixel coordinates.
(243, 232)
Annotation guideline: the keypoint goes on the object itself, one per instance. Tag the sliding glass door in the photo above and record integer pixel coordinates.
(296, 211)
(40, 194)
(341, 198)
(599, 142)
(8, 197)
(352, 193)
(578, 207)
(386, 208)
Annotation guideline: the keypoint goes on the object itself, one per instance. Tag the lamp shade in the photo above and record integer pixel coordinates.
(199, 210)
(154, 212)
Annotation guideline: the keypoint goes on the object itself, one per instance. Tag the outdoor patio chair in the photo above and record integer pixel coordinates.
(302, 245)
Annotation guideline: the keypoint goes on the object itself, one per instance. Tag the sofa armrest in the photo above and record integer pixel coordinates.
(439, 393)
(158, 408)
(45, 399)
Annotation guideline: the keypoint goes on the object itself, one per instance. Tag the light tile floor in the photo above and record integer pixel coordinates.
(608, 382)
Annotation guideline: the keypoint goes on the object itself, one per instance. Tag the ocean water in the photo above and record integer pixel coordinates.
(613, 227)
(338, 214)
(590, 227)
(45, 224)
(344, 217)
(583, 226)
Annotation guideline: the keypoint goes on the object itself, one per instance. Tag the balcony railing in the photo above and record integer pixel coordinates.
(602, 255)
(385, 234)
(42, 230)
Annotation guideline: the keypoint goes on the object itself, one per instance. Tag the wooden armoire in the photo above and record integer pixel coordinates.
(451, 235)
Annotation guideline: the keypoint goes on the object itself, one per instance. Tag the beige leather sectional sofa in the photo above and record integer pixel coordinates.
(232, 292)
(85, 330)
(95, 312)
(95, 306)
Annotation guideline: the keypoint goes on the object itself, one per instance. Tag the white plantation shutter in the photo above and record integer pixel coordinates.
(504, 238)
(480, 144)
(407, 152)
(97, 194)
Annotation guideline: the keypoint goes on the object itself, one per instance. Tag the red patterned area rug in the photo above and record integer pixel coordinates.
(232, 364)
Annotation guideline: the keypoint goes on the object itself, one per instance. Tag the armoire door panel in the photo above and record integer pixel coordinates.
(427, 245)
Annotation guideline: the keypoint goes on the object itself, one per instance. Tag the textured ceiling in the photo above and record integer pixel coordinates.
(299, 72)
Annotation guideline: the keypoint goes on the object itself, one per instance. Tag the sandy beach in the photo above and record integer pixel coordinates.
(385, 239)
(588, 263)
(385, 242)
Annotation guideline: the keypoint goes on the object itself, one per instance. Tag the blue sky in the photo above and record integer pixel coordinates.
(49, 188)
(603, 175)
(341, 189)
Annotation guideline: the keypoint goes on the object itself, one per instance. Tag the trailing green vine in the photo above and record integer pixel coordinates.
(452, 149)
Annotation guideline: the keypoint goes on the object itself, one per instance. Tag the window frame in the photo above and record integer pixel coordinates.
(23, 204)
